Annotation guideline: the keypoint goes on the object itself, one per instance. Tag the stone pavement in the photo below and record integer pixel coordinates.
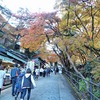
(54, 87)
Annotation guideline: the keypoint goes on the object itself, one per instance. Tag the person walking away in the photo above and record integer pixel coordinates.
(56, 68)
(28, 83)
(2, 75)
(44, 72)
(37, 71)
(41, 71)
(34, 74)
(48, 71)
(14, 74)
(18, 84)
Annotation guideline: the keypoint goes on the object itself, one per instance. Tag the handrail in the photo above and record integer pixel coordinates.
(75, 80)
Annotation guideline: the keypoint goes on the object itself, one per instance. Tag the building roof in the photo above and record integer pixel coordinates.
(12, 55)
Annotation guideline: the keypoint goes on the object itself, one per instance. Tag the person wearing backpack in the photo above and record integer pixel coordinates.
(28, 83)
(18, 88)
(14, 74)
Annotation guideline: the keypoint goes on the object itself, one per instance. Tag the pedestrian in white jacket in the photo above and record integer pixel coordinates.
(28, 83)
(2, 75)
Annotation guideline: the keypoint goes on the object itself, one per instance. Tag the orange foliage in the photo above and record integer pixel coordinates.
(49, 56)
(34, 36)
(52, 58)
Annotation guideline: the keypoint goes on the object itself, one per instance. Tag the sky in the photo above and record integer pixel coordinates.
(32, 5)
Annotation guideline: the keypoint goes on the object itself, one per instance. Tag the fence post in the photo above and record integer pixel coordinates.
(77, 83)
(71, 77)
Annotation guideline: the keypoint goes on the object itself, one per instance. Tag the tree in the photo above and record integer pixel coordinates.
(80, 24)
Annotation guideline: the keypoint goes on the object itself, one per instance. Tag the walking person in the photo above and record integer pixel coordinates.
(2, 74)
(28, 83)
(44, 72)
(18, 84)
(34, 74)
(41, 71)
(48, 71)
(14, 73)
(56, 68)
(37, 71)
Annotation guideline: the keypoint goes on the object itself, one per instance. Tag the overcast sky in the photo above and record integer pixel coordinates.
(32, 5)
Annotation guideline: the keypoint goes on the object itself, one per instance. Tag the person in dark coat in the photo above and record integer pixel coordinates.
(14, 74)
(18, 85)
(44, 72)
(48, 71)
(28, 83)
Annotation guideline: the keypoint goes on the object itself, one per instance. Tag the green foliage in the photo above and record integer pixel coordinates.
(82, 86)
(97, 93)
(88, 67)
(96, 73)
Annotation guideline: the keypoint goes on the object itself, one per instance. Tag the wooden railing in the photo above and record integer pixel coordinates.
(93, 93)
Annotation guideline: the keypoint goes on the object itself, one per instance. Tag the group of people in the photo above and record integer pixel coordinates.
(22, 81)
(41, 71)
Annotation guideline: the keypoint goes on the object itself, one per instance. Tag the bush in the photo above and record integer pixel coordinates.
(82, 86)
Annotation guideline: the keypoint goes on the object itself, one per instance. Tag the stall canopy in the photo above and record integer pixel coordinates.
(6, 58)
(12, 55)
